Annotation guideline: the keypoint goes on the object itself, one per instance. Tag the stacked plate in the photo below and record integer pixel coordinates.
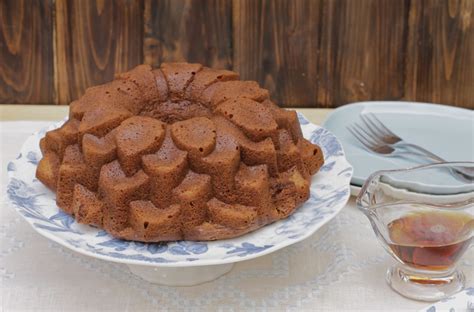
(443, 130)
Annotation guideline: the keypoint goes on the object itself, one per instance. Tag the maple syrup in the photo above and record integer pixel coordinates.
(431, 240)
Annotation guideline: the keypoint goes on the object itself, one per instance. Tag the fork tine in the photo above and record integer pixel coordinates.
(370, 132)
(381, 124)
(372, 125)
(367, 138)
(367, 144)
(360, 139)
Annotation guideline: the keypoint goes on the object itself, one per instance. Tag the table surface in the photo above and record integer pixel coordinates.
(340, 267)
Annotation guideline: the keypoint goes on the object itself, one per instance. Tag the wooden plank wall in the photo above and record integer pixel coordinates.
(26, 52)
(308, 53)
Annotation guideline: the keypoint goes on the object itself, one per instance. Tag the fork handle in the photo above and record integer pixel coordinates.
(421, 149)
(467, 173)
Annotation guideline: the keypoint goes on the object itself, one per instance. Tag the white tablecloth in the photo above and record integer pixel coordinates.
(341, 267)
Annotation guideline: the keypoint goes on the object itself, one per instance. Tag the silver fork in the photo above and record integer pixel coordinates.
(377, 138)
(372, 144)
(384, 134)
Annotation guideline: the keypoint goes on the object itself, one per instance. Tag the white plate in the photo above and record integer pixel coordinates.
(457, 302)
(446, 131)
(329, 193)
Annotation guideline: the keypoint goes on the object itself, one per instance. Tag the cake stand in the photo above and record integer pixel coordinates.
(182, 263)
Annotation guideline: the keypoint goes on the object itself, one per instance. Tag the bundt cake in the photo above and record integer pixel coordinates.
(179, 152)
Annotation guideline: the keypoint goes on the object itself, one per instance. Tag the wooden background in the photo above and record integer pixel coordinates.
(308, 53)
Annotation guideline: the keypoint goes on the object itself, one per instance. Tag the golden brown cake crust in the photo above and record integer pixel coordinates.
(178, 152)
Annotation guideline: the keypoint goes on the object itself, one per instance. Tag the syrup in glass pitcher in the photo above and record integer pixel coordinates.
(424, 217)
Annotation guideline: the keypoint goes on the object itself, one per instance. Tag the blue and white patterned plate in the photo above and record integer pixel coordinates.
(462, 301)
(329, 193)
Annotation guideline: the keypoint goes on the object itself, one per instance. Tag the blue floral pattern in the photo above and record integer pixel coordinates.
(245, 249)
(329, 193)
(32, 158)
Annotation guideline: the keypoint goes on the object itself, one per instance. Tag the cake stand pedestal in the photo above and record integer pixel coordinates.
(180, 276)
